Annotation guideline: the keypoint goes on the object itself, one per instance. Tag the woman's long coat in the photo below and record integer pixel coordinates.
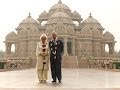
(39, 53)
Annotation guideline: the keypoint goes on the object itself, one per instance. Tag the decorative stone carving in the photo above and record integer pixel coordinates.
(86, 39)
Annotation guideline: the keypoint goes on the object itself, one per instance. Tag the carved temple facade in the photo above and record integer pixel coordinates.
(82, 38)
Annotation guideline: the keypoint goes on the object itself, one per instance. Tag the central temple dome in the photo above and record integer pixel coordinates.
(59, 6)
(60, 17)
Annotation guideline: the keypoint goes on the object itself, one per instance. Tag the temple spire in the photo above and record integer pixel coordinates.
(90, 15)
(29, 14)
(59, 1)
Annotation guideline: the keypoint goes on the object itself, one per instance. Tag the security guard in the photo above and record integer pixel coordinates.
(56, 48)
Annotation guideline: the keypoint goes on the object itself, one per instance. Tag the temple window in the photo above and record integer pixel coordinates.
(106, 48)
(76, 23)
(13, 48)
(43, 23)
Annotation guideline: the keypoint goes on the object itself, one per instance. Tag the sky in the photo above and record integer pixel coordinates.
(12, 12)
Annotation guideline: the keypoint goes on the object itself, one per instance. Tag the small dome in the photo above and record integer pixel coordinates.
(107, 35)
(90, 19)
(29, 19)
(12, 36)
(60, 17)
(59, 6)
(76, 14)
(43, 14)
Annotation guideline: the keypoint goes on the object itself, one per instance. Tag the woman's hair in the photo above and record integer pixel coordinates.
(43, 35)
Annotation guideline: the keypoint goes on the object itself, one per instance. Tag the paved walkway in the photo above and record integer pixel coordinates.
(80, 79)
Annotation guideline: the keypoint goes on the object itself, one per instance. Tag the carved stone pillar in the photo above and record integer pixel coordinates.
(65, 46)
(23, 49)
(6, 45)
(96, 48)
(40, 21)
(79, 21)
(103, 49)
(73, 47)
(17, 49)
(111, 48)
(9, 48)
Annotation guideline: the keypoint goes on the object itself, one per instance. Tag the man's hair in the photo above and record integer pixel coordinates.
(54, 32)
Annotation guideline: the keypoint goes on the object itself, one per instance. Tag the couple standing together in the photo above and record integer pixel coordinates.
(44, 50)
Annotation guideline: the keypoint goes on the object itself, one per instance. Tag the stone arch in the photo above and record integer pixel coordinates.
(13, 48)
(106, 48)
(76, 23)
(109, 48)
(43, 23)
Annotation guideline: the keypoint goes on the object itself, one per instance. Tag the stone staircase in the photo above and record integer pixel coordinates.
(74, 62)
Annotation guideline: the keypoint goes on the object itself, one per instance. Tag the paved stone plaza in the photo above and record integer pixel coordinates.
(82, 79)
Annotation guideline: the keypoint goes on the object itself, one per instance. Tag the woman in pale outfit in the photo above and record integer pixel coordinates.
(42, 54)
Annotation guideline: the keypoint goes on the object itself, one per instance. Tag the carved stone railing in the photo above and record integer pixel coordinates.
(102, 62)
(15, 63)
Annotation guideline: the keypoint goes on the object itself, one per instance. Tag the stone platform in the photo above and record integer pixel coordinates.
(73, 79)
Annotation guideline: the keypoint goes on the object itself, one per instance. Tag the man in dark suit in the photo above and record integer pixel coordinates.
(56, 48)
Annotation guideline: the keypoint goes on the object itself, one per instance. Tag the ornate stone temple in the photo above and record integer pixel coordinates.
(83, 39)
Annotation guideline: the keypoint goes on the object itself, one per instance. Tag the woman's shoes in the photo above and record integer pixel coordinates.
(42, 81)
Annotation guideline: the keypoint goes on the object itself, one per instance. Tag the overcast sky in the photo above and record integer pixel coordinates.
(107, 12)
